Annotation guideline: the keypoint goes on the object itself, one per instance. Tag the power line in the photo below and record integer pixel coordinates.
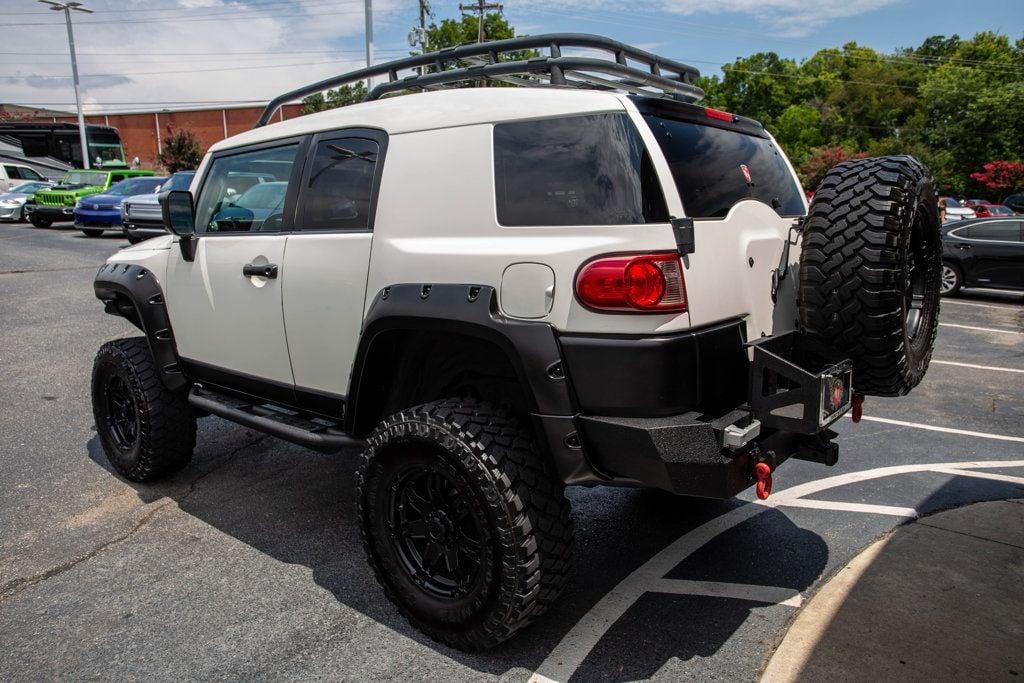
(235, 16)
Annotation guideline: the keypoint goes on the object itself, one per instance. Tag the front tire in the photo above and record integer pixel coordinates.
(870, 270)
(92, 233)
(147, 431)
(464, 523)
(952, 279)
(40, 222)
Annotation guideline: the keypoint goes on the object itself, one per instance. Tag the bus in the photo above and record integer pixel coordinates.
(62, 141)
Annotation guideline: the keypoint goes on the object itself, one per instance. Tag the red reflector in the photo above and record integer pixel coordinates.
(651, 282)
(716, 114)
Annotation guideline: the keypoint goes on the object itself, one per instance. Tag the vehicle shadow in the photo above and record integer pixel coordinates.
(297, 507)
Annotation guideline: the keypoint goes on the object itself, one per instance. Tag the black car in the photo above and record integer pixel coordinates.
(1015, 202)
(986, 252)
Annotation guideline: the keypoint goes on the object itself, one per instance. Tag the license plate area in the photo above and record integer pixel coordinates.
(797, 384)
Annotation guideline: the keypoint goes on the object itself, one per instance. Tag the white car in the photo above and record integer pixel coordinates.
(955, 211)
(12, 204)
(497, 292)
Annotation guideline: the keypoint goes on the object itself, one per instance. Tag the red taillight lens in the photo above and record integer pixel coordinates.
(652, 282)
(718, 114)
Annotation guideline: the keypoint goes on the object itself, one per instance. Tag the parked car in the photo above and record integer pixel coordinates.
(991, 210)
(983, 253)
(1015, 202)
(12, 204)
(16, 174)
(140, 215)
(955, 211)
(58, 203)
(496, 292)
(95, 213)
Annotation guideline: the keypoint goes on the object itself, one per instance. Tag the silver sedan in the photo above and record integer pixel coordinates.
(12, 204)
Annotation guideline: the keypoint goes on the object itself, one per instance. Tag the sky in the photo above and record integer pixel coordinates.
(143, 55)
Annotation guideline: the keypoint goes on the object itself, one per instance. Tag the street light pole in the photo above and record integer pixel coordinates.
(66, 7)
(369, 40)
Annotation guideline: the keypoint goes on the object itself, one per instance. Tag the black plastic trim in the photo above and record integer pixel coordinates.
(472, 310)
(692, 113)
(654, 376)
(133, 292)
(240, 384)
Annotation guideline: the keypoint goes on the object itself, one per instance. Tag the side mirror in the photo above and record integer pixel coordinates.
(179, 218)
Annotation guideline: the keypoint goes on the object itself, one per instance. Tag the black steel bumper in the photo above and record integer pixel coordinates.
(789, 386)
(55, 213)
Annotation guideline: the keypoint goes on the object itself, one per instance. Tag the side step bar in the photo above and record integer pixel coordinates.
(318, 434)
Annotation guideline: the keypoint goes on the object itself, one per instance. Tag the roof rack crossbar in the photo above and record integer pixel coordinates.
(674, 79)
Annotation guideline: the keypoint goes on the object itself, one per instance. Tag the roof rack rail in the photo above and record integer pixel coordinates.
(673, 79)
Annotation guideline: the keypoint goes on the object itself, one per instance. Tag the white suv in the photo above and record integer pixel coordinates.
(497, 292)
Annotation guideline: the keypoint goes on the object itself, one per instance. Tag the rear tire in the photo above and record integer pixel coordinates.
(40, 222)
(870, 270)
(92, 233)
(147, 431)
(464, 523)
(952, 279)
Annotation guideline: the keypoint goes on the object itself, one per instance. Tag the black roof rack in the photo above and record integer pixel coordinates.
(481, 61)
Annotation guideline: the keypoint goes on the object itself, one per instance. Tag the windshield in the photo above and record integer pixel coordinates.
(952, 203)
(84, 178)
(179, 181)
(132, 186)
(265, 196)
(29, 188)
(714, 168)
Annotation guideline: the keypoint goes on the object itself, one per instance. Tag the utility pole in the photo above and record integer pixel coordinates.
(369, 41)
(424, 11)
(66, 8)
(481, 8)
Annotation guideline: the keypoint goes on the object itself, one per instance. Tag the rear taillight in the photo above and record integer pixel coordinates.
(718, 114)
(649, 282)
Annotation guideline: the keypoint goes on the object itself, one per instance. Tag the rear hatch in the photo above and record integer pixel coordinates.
(741, 192)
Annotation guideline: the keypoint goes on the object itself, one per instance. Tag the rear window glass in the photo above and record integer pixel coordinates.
(583, 170)
(1004, 231)
(714, 168)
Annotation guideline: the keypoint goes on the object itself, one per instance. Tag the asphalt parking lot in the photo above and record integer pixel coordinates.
(248, 563)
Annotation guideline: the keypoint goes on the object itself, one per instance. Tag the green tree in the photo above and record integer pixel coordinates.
(337, 97)
(180, 151)
(454, 32)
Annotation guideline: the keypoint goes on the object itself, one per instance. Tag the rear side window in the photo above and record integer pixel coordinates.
(715, 168)
(13, 172)
(339, 193)
(583, 170)
(1003, 231)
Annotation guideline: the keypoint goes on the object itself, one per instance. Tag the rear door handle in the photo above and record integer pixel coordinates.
(964, 247)
(265, 270)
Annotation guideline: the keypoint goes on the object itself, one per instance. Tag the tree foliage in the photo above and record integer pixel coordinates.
(1005, 176)
(337, 97)
(181, 151)
(957, 104)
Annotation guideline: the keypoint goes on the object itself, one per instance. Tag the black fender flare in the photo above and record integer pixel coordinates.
(531, 347)
(132, 292)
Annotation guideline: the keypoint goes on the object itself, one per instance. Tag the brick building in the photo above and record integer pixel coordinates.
(142, 133)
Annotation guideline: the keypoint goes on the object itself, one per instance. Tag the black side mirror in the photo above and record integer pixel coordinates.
(179, 218)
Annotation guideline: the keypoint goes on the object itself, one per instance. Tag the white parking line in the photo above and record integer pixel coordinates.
(739, 591)
(568, 655)
(975, 367)
(980, 329)
(968, 303)
(909, 513)
(982, 475)
(945, 430)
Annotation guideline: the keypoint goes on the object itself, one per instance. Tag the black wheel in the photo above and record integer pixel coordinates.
(92, 233)
(39, 221)
(146, 430)
(464, 523)
(952, 279)
(870, 270)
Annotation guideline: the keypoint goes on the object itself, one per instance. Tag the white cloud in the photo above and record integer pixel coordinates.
(791, 18)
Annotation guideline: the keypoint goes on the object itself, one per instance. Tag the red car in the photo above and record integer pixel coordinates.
(990, 210)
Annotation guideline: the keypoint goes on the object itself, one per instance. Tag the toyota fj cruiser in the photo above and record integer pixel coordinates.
(498, 292)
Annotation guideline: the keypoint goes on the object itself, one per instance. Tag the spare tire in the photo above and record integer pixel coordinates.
(870, 270)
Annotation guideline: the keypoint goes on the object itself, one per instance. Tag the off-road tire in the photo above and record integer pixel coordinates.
(952, 279)
(165, 425)
(39, 221)
(489, 460)
(870, 270)
(92, 233)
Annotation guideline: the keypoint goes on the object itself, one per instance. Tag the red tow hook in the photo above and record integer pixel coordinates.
(763, 473)
(858, 407)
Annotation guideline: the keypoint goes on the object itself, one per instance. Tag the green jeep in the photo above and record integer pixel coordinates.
(58, 203)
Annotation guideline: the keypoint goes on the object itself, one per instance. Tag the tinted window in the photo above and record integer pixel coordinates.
(339, 192)
(584, 170)
(29, 174)
(714, 168)
(232, 199)
(13, 172)
(1005, 231)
